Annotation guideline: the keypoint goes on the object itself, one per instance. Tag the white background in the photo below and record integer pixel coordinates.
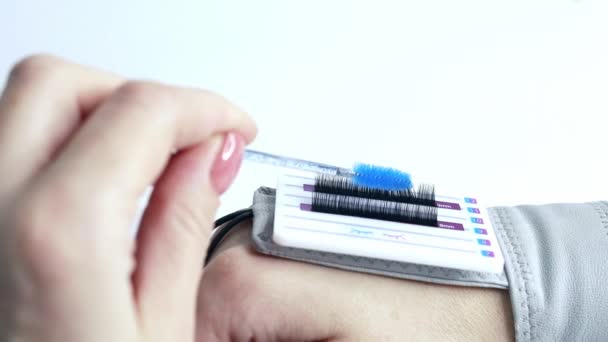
(503, 100)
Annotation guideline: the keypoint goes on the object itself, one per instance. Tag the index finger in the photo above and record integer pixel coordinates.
(128, 140)
(44, 102)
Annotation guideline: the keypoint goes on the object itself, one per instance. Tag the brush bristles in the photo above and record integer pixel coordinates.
(379, 177)
(374, 209)
(331, 184)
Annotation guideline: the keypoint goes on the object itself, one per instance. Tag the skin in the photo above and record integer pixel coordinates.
(79, 146)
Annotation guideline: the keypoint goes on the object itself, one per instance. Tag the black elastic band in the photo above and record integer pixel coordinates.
(229, 217)
(224, 226)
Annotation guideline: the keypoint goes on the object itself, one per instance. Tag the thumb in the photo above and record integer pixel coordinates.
(174, 233)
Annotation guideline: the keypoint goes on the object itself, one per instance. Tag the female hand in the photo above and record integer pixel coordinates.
(78, 147)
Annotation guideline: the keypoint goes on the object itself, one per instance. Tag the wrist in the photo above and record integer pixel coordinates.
(383, 308)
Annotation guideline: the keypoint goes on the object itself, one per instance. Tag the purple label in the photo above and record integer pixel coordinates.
(481, 231)
(309, 187)
(305, 207)
(450, 225)
(447, 205)
(473, 210)
(487, 254)
(470, 200)
(476, 220)
(483, 242)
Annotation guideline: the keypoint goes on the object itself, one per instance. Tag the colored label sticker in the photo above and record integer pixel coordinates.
(450, 225)
(483, 242)
(470, 200)
(309, 187)
(489, 254)
(481, 231)
(476, 220)
(447, 205)
(473, 210)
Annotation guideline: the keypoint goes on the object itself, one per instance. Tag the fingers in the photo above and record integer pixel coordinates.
(174, 233)
(126, 143)
(90, 193)
(79, 181)
(44, 101)
(122, 148)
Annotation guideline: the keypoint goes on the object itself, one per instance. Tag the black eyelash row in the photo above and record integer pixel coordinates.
(374, 209)
(338, 185)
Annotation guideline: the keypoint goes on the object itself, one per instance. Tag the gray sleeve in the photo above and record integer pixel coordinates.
(556, 267)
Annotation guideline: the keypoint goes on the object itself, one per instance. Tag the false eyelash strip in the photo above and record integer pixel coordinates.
(374, 209)
(447, 219)
(332, 184)
(307, 183)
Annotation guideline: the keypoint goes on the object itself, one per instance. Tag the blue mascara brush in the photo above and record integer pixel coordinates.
(366, 175)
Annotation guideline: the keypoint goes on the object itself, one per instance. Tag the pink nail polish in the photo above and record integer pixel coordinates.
(227, 162)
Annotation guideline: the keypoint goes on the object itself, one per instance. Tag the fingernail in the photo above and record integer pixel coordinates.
(227, 162)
